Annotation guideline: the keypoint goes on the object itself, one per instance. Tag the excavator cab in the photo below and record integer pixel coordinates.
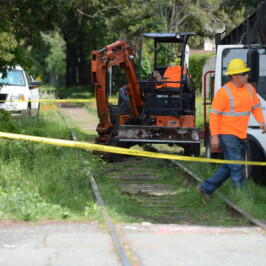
(163, 51)
(173, 94)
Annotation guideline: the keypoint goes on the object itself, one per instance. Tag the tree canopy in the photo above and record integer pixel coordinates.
(21, 23)
(250, 5)
(57, 36)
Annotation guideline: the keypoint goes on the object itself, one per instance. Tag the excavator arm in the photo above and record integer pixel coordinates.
(118, 53)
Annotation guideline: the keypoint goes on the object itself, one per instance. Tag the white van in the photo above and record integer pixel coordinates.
(19, 85)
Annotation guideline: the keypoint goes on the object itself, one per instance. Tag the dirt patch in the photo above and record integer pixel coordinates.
(82, 118)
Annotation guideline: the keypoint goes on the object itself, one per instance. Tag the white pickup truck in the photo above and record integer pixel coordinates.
(19, 85)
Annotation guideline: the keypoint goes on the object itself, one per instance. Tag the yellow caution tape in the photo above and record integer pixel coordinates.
(65, 100)
(118, 150)
(59, 100)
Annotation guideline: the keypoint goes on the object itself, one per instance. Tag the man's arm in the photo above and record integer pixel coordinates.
(157, 76)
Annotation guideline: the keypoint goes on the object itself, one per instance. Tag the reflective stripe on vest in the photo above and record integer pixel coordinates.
(251, 91)
(256, 106)
(232, 105)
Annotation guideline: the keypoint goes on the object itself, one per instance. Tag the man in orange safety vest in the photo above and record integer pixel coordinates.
(229, 116)
(172, 74)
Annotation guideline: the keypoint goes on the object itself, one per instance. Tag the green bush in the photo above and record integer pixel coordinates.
(40, 181)
(146, 67)
(7, 124)
(196, 63)
(77, 92)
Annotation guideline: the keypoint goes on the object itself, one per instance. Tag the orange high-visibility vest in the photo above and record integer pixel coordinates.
(231, 109)
(172, 74)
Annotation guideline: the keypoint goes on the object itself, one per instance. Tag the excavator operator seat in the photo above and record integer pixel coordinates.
(172, 78)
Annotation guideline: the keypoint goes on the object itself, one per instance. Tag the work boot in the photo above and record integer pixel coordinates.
(205, 197)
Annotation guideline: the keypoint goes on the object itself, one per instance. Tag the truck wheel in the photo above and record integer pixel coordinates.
(255, 154)
(37, 112)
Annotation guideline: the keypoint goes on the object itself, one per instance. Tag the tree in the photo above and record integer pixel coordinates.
(203, 17)
(82, 34)
(87, 25)
(249, 5)
(56, 59)
(20, 25)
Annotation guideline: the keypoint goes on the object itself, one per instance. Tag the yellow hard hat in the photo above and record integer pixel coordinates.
(236, 66)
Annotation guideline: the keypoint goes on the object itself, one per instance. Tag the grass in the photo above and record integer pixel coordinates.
(126, 209)
(200, 112)
(78, 92)
(252, 198)
(40, 181)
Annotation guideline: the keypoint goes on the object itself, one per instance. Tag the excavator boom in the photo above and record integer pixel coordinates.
(114, 54)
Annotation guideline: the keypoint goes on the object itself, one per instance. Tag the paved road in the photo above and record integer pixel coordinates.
(80, 243)
(55, 244)
(193, 245)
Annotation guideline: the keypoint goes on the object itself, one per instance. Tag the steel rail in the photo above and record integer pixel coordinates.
(252, 219)
(111, 228)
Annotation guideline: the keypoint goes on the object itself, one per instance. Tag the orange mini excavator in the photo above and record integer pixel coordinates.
(149, 110)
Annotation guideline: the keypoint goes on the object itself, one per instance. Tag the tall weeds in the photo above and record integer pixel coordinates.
(40, 181)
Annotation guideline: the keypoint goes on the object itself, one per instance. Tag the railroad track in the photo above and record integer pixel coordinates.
(231, 207)
(156, 196)
(160, 200)
(111, 228)
(157, 199)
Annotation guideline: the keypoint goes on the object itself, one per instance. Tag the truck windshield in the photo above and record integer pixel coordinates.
(14, 77)
(261, 86)
(229, 54)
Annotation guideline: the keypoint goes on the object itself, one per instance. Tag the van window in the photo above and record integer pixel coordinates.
(14, 77)
(261, 89)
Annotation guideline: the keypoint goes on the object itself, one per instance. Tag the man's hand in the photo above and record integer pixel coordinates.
(263, 127)
(157, 76)
(215, 143)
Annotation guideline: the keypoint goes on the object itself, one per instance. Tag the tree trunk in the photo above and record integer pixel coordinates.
(83, 68)
(71, 66)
